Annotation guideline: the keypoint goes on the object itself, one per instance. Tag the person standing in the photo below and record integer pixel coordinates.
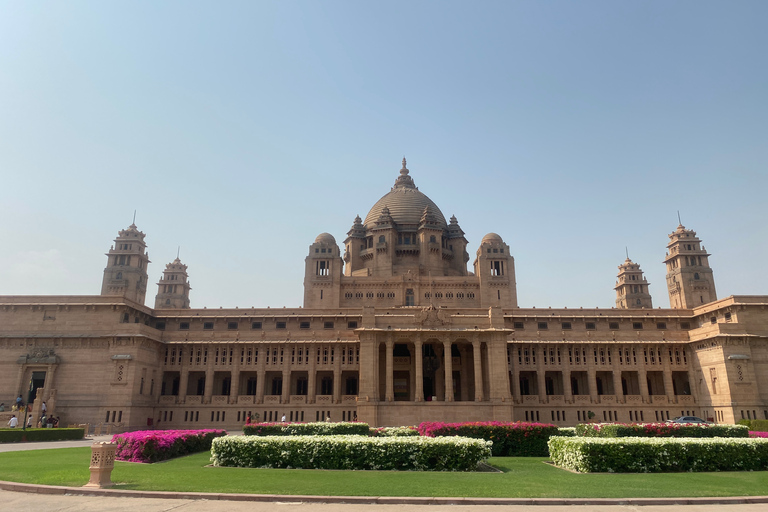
(13, 422)
(44, 408)
(29, 421)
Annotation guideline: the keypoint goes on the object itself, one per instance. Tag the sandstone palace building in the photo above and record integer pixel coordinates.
(394, 330)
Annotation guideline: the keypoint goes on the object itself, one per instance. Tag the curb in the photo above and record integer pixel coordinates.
(373, 500)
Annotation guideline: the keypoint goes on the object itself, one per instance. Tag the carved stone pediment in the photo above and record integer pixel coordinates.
(431, 317)
(39, 355)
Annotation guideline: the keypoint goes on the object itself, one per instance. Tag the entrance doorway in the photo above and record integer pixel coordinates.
(36, 382)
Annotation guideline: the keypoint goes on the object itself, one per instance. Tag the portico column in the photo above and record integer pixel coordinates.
(286, 395)
(336, 375)
(592, 374)
(567, 390)
(49, 381)
(478, 368)
(419, 371)
(515, 375)
(669, 387)
(390, 391)
(262, 354)
(312, 374)
(642, 377)
(541, 375)
(183, 382)
(234, 384)
(209, 373)
(448, 359)
(617, 387)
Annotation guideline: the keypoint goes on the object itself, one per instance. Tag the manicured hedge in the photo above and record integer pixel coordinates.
(566, 431)
(307, 429)
(157, 445)
(656, 455)
(394, 432)
(509, 439)
(659, 430)
(16, 435)
(351, 452)
(755, 425)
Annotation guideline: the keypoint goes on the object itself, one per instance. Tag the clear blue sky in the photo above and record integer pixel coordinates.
(241, 130)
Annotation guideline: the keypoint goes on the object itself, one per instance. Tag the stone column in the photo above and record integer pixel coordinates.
(261, 374)
(419, 396)
(183, 383)
(448, 371)
(478, 369)
(336, 375)
(49, 382)
(541, 373)
(312, 374)
(390, 391)
(286, 395)
(642, 377)
(669, 388)
(567, 390)
(515, 375)
(592, 375)
(209, 374)
(234, 387)
(617, 387)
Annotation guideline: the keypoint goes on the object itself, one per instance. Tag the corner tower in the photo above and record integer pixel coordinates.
(173, 288)
(690, 280)
(631, 287)
(126, 271)
(495, 268)
(322, 273)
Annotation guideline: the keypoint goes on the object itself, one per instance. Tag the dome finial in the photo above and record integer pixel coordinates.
(404, 170)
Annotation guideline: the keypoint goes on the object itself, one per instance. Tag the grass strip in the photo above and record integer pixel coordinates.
(522, 477)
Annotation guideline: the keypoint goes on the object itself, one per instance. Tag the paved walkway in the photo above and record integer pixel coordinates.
(51, 498)
(51, 503)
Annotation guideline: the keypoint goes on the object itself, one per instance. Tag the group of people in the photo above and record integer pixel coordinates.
(45, 420)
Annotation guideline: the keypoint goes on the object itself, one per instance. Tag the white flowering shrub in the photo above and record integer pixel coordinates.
(657, 455)
(566, 431)
(351, 452)
(394, 432)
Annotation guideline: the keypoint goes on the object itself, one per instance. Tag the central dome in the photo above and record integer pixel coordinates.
(405, 203)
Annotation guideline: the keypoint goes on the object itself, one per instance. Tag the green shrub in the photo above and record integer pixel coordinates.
(350, 452)
(759, 425)
(566, 431)
(306, 429)
(509, 439)
(656, 455)
(394, 432)
(659, 430)
(17, 435)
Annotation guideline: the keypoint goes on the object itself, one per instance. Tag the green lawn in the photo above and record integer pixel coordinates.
(521, 478)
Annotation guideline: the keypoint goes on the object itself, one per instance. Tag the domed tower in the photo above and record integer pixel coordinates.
(173, 288)
(690, 280)
(405, 233)
(495, 269)
(126, 271)
(322, 273)
(631, 287)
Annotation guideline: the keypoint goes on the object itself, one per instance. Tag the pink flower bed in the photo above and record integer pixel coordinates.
(759, 434)
(516, 439)
(157, 445)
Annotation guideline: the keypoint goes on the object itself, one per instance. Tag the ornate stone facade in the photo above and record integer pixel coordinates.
(394, 330)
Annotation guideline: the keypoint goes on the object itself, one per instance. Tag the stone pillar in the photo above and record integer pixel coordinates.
(286, 395)
(261, 373)
(448, 370)
(515, 376)
(541, 374)
(234, 387)
(336, 375)
(209, 373)
(390, 391)
(183, 383)
(19, 384)
(419, 396)
(49, 382)
(617, 388)
(102, 464)
(478, 369)
(592, 375)
(642, 377)
(669, 388)
(312, 375)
